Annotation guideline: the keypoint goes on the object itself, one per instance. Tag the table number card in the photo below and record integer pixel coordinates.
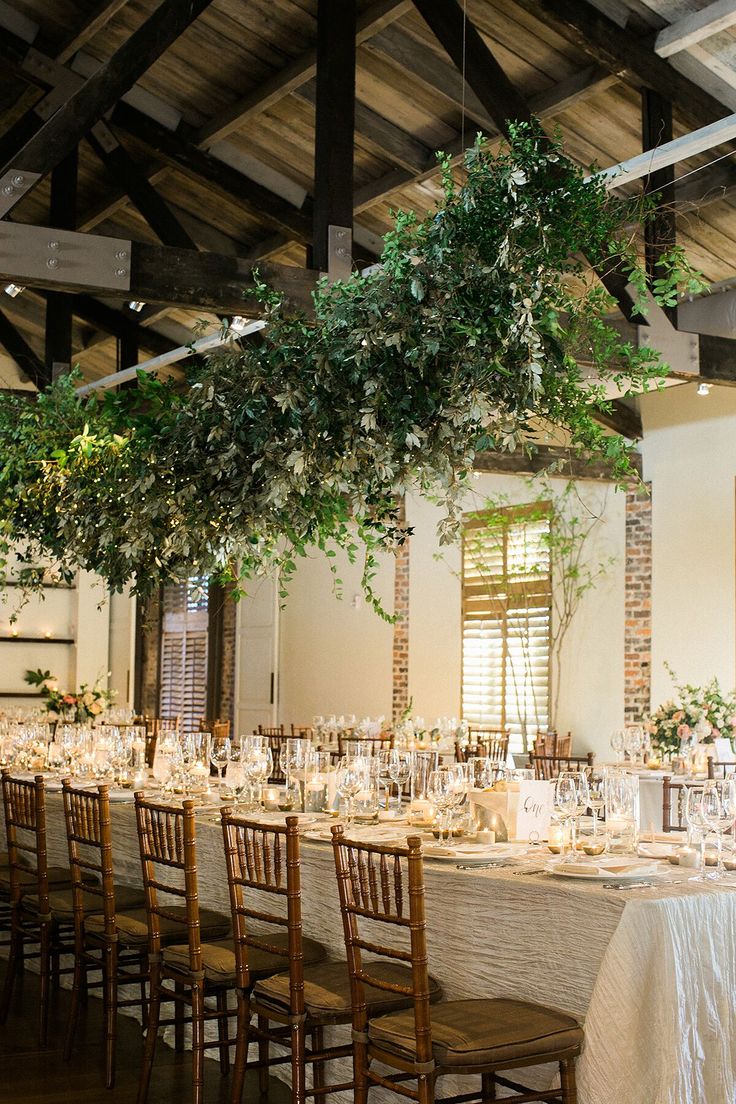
(534, 811)
(724, 750)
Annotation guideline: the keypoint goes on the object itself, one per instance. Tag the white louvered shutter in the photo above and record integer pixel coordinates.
(184, 653)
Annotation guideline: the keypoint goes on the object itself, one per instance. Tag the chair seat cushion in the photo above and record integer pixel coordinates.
(218, 959)
(327, 990)
(482, 1032)
(61, 904)
(58, 876)
(132, 925)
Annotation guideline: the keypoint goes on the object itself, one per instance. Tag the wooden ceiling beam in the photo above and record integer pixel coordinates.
(293, 76)
(119, 325)
(621, 419)
(460, 38)
(96, 21)
(63, 131)
(122, 269)
(124, 170)
(694, 27)
(568, 465)
(62, 216)
(660, 232)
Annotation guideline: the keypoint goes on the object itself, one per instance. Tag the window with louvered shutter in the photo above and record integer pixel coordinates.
(506, 611)
(184, 652)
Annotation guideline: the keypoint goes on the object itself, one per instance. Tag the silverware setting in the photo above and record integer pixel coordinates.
(478, 866)
(629, 885)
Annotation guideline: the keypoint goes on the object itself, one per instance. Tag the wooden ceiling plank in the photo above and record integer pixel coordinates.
(567, 464)
(696, 26)
(293, 76)
(67, 126)
(31, 366)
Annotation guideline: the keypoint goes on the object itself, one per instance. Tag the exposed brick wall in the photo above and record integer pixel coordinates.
(638, 603)
(149, 639)
(401, 628)
(227, 675)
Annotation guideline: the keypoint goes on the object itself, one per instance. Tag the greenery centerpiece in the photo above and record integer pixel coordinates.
(702, 713)
(481, 324)
(83, 706)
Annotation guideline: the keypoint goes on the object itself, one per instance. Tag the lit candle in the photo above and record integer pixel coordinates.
(688, 856)
(486, 835)
(556, 838)
(270, 797)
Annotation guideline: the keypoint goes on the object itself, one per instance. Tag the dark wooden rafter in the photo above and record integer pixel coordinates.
(119, 325)
(62, 216)
(96, 96)
(621, 419)
(296, 74)
(16, 346)
(660, 232)
(567, 464)
(459, 37)
(95, 21)
(122, 269)
(334, 134)
(124, 170)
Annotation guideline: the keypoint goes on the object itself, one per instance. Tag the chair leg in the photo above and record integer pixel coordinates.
(222, 1031)
(197, 995)
(241, 1047)
(80, 972)
(149, 1050)
(44, 966)
(318, 1068)
(298, 1071)
(142, 966)
(179, 1017)
(110, 999)
(568, 1083)
(360, 1067)
(425, 1088)
(263, 1054)
(488, 1086)
(15, 960)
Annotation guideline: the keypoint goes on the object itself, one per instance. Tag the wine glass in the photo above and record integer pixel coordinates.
(399, 770)
(220, 747)
(596, 796)
(571, 800)
(442, 783)
(633, 742)
(384, 773)
(482, 772)
(698, 826)
(617, 744)
(719, 813)
(352, 777)
(294, 756)
(236, 777)
(258, 762)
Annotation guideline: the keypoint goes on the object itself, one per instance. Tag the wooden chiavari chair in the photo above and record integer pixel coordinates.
(31, 885)
(550, 743)
(312, 993)
(270, 730)
(385, 886)
(277, 744)
(346, 743)
(549, 766)
(673, 804)
(220, 730)
(102, 935)
(155, 727)
(196, 957)
(721, 769)
(493, 746)
(306, 732)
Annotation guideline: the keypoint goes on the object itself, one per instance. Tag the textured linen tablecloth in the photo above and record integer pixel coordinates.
(651, 970)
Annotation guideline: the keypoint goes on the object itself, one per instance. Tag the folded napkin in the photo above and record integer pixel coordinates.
(612, 869)
(657, 850)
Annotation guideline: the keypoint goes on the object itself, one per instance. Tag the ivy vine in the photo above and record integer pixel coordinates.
(471, 334)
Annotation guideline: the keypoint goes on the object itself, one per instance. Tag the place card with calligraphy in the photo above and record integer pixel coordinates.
(534, 809)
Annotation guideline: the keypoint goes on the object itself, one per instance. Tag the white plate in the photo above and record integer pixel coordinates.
(614, 874)
(468, 854)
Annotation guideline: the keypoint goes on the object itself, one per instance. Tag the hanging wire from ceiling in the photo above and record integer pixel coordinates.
(462, 104)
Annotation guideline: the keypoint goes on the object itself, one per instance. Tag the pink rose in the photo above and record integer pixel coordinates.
(683, 731)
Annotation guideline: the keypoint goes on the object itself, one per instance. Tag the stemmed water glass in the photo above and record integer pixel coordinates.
(295, 754)
(399, 770)
(572, 798)
(719, 813)
(617, 744)
(384, 773)
(220, 747)
(258, 762)
(596, 796)
(634, 742)
(442, 790)
(352, 777)
(698, 826)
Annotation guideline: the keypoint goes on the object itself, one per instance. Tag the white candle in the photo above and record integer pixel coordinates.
(486, 835)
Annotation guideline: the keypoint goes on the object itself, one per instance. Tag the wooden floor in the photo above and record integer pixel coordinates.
(29, 1075)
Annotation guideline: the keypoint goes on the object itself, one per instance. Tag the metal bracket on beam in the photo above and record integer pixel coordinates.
(339, 252)
(105, 137)
(678, 349)
(14, 184)
(38, 254)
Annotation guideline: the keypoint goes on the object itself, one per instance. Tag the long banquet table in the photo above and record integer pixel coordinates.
(651, 970)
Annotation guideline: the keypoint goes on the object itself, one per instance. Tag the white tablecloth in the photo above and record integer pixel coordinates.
(652, 970)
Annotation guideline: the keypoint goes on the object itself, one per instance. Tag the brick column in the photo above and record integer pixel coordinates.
(638, 603)
(400, 698)
(227, 676)
(148, 654)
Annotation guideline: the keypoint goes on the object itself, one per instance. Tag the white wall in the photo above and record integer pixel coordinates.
(122, 647)
(336, 658)
(690, 456)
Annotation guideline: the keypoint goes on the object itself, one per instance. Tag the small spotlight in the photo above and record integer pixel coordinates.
(13, 290)
(703, 389)
(136, 305)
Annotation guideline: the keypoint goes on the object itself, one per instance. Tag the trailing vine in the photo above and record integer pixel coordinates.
(470, 334)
